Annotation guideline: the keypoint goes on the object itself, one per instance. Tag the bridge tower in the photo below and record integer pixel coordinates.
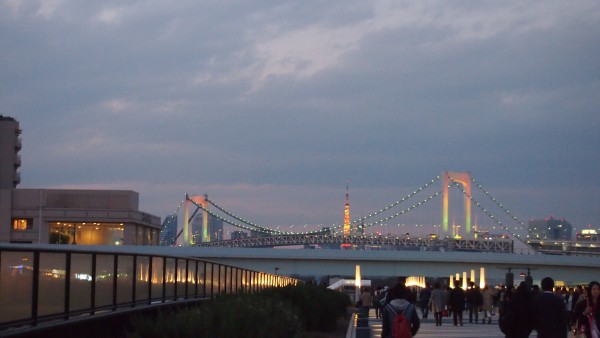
(463, 178)
(201, 200)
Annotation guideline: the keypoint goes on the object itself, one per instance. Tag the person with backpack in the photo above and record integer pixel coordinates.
(400, 319)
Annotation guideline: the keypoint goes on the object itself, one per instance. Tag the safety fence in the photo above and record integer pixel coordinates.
(59, 283)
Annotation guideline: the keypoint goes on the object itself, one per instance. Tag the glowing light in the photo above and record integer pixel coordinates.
(481, 277)
(357, 281)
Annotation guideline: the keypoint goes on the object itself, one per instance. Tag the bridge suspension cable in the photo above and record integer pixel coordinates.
(403, 211)
(523, 227)
(232, 215)
(397, 202)
(253, 226)
(260, 229)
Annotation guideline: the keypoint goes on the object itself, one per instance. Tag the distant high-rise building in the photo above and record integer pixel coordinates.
(169, 230)
(215, 228)
(239, 235)
(550, 228)
(10, 145)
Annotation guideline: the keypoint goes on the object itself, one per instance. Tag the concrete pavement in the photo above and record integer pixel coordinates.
(447, 330)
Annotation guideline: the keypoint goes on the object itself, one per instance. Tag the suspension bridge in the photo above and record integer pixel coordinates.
(358, 233)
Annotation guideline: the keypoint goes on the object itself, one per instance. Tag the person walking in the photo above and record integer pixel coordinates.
(366, 300)
(437, 302)
(424, 297)
(474, 301)
(398, 304)
(487, 303)
(587, 312)
(377, 302)
(549, 312)
(457, 303)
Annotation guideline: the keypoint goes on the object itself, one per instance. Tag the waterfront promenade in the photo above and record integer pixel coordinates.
(447, 330)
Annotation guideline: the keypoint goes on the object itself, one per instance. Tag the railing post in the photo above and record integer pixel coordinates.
(67, 285)
(150, 263)
(187, 271)
(176, 279)
(164, 279)
(133, 281)
(35, 285)
(115, 273)
(204, 280)
(93, 286)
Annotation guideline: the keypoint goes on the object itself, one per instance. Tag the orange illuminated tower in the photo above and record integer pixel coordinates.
(347, 213)
(463, 178)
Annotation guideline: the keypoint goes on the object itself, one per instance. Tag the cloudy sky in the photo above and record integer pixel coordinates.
(270, 107)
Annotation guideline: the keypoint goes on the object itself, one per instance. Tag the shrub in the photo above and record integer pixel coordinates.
(239, 315)
(319, 307)
(275, 312)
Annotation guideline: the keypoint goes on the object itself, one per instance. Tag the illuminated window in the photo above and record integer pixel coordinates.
(86, 233)
(22, 224)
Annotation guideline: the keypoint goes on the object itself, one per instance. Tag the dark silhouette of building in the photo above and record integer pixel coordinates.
(239, 235)
(550, 228)
(168, 232)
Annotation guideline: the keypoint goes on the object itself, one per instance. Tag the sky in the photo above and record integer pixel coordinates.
(271, 108)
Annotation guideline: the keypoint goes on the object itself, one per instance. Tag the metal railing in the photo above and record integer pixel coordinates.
(39, 285)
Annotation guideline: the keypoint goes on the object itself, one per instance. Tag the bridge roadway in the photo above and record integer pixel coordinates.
(386, 242)
(388, 263)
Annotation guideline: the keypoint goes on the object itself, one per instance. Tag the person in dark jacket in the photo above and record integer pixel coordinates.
(424, 297)
(549, 313)
(474, 302)
(517, 316)
(398, 304)
(457, 303)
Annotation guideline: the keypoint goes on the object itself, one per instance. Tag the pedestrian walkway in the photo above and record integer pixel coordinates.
(447, 330)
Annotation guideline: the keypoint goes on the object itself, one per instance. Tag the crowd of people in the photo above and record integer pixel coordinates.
(551, 311)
